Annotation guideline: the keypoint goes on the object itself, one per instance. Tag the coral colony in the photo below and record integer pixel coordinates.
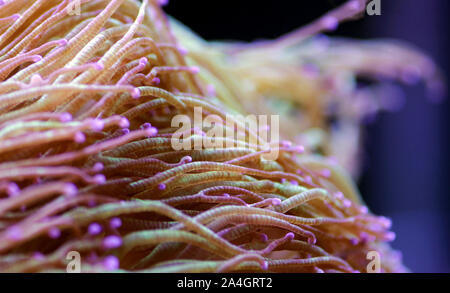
(88, 92)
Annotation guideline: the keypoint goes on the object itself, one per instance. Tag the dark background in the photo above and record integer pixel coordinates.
(406, 167)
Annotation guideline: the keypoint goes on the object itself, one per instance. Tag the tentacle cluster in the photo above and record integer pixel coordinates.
(87, 165)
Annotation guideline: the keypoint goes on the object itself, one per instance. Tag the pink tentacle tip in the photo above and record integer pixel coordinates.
(354, 241)
(12, 189)
(265, 265)
(63, 42)
(339, 195)
(152, 131)
(412, 75)
(161, 186)
(14, 233)
(54, 233)
(186, 159)
(347, 203)
(211, 90)
(299, 149)
(183, 51)
(111, 263)
(70, 189)
(97, 124)
(286, 143)
(386, 222)
(366, 237)
(65, 117)
(390, 236)
(330, 23)
(112, 242)
(308, 179)
(99, 179)
(163, 2)
(115, 223)
(276, 201)
(2, 2)
(37, 58)
(289, 236)
(354, 5)
(156, 81)
(363, 210)
(36, 79)
(15, 16)
(264, 238)
(312, 240)
(325, 173)
(94, 229)
(98, 167)
(136, 93)
(143, 61)
(38, 256)
(195, 69)
(79, 137)
(146, 125)
(124, 123)
(332, 160)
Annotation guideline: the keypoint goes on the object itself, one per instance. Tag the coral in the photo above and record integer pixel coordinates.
(87, 165)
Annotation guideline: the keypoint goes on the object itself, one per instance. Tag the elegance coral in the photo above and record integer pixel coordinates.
(86, 161)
